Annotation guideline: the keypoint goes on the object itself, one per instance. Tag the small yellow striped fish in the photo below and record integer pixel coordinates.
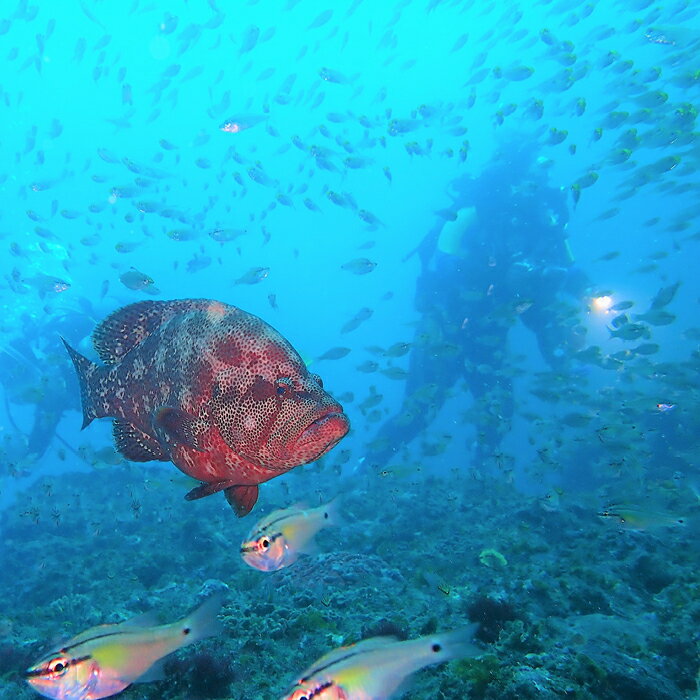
(104, 660)
(375, 669)
(277, 539)
(637, 517)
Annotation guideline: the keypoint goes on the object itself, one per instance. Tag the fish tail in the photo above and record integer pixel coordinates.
(454, 645)
(203, 622)
(405, 658)
(301, 535)
(436, 649)
(332, 513)
(85, 369)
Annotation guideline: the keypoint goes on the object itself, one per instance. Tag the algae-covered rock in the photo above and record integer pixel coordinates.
(492, 558)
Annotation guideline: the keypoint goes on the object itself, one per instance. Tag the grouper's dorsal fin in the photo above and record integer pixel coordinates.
(124, 329)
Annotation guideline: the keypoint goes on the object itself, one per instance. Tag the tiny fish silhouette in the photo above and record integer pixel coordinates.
(134, 279)
(359, 266)
(234, 125)
(253, 276)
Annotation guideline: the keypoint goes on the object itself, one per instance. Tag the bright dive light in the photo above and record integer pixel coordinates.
(602, 304)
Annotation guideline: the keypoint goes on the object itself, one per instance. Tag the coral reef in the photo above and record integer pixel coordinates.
(581, 610)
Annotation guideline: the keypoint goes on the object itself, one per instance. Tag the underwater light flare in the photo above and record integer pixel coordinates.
(601, 304)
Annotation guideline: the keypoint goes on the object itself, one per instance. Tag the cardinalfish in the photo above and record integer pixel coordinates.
(375, 669)
(104, 660)
(636, 517)
(279, 538)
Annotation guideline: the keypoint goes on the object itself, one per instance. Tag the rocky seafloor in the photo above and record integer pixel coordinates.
(569, 606)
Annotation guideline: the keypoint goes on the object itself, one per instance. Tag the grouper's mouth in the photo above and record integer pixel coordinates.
(325, 431)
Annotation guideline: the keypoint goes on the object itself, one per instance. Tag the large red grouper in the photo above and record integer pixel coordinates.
(213, 389)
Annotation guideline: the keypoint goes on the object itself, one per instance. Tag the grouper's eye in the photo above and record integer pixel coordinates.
(283, 386)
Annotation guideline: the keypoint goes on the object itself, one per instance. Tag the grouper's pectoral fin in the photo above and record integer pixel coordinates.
(206, 489)
(173, 426)
(135, 445)
(240, 498)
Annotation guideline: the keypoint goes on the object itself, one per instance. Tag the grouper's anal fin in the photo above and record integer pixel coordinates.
(240, 498)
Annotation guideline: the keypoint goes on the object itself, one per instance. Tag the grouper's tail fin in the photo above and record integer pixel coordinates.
(85, 370)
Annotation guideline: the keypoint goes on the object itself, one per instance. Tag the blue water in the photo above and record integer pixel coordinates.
(114, 158)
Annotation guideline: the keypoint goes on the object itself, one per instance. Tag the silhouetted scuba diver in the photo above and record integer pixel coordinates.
(504, 256)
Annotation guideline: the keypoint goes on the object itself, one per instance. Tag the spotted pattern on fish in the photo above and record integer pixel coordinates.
(210, 387)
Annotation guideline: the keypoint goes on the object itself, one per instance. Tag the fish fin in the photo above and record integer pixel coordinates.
(176, 425)
(88, 634)
(129, 326)
(399, 660)
(301, 530)
(136, 445)
(85, 369)
(207, 489)
(340, 653)
(242, 498)
(154, 673)
(332, 513)
(146, 619)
